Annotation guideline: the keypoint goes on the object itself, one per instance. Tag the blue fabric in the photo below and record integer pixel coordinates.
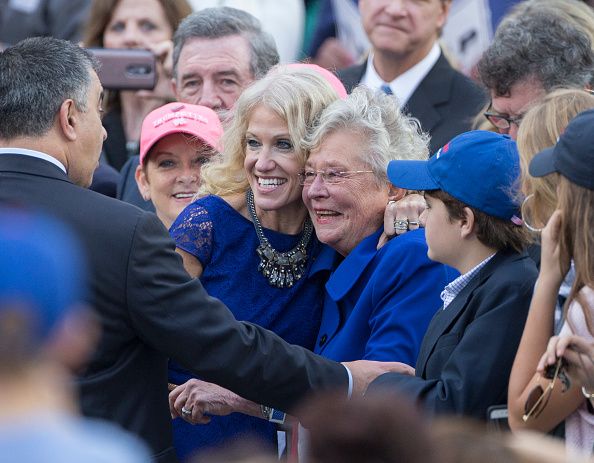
(53, 437)
(468, 351)
(379, 303)
(42, 269)
(225, 242)
(479, 168)
(386, 89)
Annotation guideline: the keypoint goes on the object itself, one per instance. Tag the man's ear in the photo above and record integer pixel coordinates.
(142, 183)
(467, 223)
(395, 193)
(67, 117)
(443, 15)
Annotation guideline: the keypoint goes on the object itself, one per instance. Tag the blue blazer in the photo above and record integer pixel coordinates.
(378, 303)
(467, 354)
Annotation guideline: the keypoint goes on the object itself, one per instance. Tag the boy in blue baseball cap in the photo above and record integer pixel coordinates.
(472, 224)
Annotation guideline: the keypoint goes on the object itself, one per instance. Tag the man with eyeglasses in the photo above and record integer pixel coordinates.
(536, 49)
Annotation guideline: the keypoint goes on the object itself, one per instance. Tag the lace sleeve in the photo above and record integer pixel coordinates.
(192, 232)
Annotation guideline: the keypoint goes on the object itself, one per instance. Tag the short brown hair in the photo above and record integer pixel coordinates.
(491, 231)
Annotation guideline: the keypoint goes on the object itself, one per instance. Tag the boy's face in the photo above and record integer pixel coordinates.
(443, 236)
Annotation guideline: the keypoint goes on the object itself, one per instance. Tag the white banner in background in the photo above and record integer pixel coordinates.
(468, 32)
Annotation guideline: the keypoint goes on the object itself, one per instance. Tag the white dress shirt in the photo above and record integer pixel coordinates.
(405, 84)
(34, 154)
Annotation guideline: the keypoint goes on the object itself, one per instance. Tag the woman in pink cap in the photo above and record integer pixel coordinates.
(176, 140)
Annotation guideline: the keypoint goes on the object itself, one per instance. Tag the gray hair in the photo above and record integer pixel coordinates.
(540, 44)
(389, 133)
(36, 76)
(214, 23)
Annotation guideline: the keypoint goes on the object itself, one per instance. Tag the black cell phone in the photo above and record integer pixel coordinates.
(126, 68)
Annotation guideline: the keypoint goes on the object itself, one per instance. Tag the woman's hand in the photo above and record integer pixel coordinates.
(552, 270)
(163, 89)
(408, 208)
(201, 399)
(579, 354)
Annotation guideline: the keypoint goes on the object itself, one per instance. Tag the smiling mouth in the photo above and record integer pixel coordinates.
(184, 195)
(271, 182)
(323, 213)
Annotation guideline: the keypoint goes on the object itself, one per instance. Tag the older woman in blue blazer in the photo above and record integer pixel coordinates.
(378, 302)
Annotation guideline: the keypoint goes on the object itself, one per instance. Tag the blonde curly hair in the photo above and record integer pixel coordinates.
(296, 95)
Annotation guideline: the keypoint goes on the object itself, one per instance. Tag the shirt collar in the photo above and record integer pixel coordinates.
(453, 289)
(405, 84)
(34, 154)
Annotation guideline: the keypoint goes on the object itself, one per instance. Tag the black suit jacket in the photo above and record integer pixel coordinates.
(467, 352)
(445, 102)
(150, 309)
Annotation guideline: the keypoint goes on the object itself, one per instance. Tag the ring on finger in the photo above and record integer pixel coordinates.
(401, 224)
(413, 223)
(185, 411)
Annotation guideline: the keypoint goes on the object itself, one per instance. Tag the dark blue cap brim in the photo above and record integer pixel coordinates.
(411, 175)
(543, 163)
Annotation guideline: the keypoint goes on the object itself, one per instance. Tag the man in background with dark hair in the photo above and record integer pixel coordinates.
(535, 50)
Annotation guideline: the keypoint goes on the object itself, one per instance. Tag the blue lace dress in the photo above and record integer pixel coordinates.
(225, 243)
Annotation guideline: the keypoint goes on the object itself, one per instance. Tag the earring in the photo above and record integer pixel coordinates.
(525, 216)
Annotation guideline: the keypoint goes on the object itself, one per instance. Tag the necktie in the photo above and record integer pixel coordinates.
(386, 89)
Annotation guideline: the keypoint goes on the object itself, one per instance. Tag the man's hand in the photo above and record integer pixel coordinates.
(365, 371)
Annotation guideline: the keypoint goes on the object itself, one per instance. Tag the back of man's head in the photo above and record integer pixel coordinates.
(36, 76)
(541, 46)
(42, 284)
(214, 23)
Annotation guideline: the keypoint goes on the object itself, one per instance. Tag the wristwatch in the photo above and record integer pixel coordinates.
(272, 415)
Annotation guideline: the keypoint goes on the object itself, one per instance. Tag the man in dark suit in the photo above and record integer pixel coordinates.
(406, 60)
(148, 306)
(471, 224)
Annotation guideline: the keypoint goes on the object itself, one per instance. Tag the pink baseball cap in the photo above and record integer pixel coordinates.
(199, 121)
(328, 76)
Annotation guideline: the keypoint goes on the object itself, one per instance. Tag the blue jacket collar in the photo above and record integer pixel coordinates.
(345, 274)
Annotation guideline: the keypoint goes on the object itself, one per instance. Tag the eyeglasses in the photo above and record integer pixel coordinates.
(539, 397)
(501, 121)
(329, 177)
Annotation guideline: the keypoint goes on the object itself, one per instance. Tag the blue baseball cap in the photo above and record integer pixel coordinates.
(41, 270)
(479, 168)
(573, 155)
